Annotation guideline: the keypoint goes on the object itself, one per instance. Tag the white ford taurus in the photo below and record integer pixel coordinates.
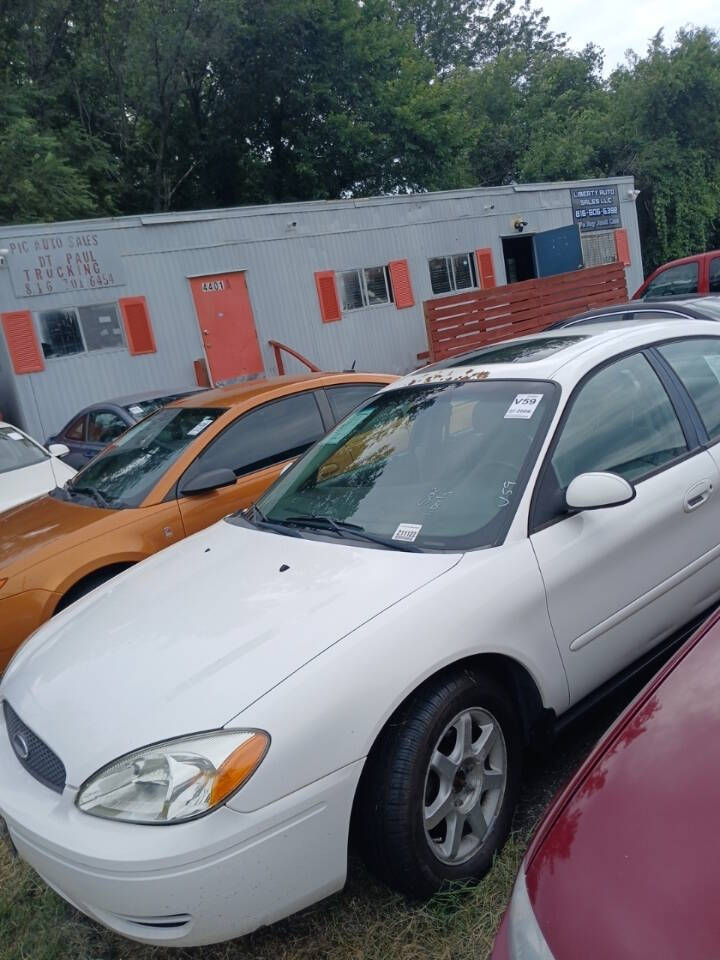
(461, 561)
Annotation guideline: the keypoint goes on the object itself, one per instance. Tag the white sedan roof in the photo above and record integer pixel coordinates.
(569, 354)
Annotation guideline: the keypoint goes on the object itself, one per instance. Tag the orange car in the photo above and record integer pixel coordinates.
(174, 473)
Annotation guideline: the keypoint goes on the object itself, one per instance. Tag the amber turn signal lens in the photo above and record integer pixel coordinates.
(238, 767)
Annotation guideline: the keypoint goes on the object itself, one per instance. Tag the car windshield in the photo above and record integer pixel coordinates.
(17, 451)
(439, 466)
(126, 471)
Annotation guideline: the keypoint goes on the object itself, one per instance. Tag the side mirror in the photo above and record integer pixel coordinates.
(58, 450)
(209, 480)
(593, 491)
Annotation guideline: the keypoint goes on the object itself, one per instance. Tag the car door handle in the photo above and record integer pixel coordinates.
(697, 495)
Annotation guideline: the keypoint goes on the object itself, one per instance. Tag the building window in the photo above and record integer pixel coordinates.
(80, 329)
(365, 287)
(599, 248)
(101, 327)
(60, 333)
(452, 272)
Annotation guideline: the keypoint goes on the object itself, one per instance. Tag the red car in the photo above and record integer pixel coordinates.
(625, 863)
(699, 274)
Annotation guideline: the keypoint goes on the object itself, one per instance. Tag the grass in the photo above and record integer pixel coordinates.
(366, 921)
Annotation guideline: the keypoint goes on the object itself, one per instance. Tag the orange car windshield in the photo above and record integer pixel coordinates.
(126, 471)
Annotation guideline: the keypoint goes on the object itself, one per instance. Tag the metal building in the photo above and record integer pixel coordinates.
(100, 308)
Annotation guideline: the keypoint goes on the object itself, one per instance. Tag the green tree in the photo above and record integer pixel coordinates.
(666, 132)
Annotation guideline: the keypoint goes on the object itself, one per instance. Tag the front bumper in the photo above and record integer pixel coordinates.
(20, 615)
(215, 878)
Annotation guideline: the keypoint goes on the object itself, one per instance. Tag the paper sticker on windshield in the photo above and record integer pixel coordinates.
(136, 411)
(407, 532)
(14, 435)
(523, 406)
(199, 427)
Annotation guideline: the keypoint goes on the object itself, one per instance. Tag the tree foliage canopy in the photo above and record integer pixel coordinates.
(124, 106)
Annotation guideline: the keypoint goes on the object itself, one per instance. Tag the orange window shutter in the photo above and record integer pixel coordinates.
(327, 295)
(22, 342)
(400, 280)
(485, 268)
(622, 246)
(138, 329)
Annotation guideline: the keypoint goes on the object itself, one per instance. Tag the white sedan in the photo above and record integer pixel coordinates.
(27, 469)
(464, 559)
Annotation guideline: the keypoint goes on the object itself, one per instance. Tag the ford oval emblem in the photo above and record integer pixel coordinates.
(20, 746)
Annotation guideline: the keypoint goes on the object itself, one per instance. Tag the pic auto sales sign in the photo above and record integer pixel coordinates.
(62, 262)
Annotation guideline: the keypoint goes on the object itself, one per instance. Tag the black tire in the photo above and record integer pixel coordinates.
(396, 785)
(90, 582)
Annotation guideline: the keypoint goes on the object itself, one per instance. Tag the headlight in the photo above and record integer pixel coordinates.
(526, 939)
(174, 781)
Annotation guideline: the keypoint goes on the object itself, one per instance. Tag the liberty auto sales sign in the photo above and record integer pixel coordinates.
(63, 262)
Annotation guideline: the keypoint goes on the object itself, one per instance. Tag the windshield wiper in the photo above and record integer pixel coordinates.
(257, 518)
(100, 499)
(345, 529)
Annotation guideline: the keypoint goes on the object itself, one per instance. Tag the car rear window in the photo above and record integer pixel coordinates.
(516, 351)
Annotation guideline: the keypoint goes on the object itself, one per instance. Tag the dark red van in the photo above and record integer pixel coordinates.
(625, 863)
(697, 274)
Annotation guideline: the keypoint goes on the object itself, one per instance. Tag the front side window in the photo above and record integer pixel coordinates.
(272, 433)
(621, 421)
(17, 451)
(714, 278)
(104, 426)
(453, 272)
(126, 471)
(674, 282)
(365, 287)
(697, 363)
(440, 465)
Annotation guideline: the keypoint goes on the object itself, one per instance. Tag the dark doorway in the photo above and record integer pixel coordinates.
(519, 258)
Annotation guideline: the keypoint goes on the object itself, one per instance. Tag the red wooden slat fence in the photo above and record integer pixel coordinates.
(469, 320)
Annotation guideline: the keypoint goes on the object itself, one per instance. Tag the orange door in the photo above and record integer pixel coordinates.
(201, 509)
(227, 326)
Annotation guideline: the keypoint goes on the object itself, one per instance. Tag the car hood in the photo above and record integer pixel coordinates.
(18, 486)
(628, 867)
(189, 638)
(39, 529)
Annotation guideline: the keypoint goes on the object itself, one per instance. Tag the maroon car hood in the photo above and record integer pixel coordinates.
(630, 866)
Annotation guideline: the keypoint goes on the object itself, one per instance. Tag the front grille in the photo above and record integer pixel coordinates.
(35, 755)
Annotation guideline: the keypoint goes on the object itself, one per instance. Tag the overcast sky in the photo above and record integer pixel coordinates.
(616, 25)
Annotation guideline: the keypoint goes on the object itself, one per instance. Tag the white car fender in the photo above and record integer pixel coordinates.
(329, 713)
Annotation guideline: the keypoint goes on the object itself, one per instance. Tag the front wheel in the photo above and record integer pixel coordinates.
(440, 788)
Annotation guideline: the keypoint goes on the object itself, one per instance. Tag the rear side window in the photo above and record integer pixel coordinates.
(674, 282)
(344, 399)
(76, 430)
(274, 432)
(621, 421)
(714, 279)
(697, 363)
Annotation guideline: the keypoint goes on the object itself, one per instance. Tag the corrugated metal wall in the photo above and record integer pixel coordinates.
(281, 247)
